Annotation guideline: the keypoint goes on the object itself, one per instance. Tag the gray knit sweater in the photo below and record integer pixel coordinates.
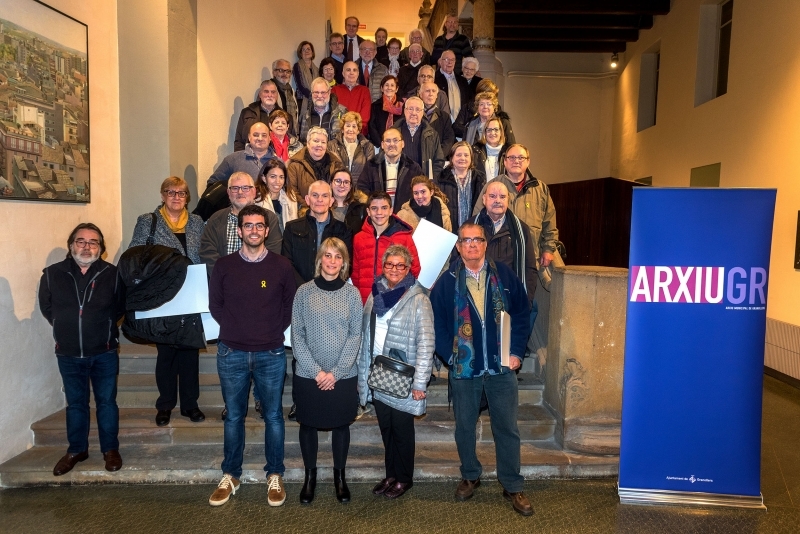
(326, 330)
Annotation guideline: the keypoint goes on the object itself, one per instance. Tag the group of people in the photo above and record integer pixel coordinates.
(306, 203)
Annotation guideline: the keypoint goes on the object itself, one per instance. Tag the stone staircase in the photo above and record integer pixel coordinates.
(187, 452)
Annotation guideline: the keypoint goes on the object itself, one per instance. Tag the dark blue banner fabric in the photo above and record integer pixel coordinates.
(694, 345)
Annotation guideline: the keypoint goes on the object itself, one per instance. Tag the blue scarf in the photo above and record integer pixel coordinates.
(384, 299)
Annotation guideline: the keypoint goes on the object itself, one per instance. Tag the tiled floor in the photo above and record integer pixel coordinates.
(581, 506)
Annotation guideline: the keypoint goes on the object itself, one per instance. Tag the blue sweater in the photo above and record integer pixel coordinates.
(443, 301)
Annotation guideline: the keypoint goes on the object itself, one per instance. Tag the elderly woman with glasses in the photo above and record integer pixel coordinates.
(353, 148)
(177, 367)
(397, 323)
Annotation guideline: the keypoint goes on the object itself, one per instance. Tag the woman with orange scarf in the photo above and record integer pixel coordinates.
(385, 110)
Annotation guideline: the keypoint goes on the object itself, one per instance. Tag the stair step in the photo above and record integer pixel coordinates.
(200, 464)
(139, 390)
(137, 427)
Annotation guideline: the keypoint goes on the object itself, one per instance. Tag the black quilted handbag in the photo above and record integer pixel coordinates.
(390, 376)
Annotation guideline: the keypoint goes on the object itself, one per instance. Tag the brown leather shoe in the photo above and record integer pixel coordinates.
(519, 502)
(113, 460)
(466, 488)
(381, 487)
(68, 461)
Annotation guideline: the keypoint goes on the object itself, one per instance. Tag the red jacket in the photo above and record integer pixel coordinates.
(368, 252)
(357, 99)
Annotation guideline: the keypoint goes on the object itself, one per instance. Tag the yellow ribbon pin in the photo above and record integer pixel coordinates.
(263, 283)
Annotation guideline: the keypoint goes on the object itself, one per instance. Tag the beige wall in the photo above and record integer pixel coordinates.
(753, 130)
(236, 45)
(402, 18)
(35, 233)
(561, 108)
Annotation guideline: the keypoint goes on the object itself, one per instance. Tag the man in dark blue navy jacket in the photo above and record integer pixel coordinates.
(467, 303)
(83, 299)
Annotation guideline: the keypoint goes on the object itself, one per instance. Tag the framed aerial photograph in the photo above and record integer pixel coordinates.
(44, 104)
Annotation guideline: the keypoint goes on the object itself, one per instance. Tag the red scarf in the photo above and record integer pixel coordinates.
(393, 109)
(281, 148)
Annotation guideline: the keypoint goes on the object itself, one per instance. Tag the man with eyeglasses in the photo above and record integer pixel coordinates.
(282, 76)
(336, 47)
(451, 40)
(370, 71)
(390, 170)
(250, 295)
(83, 299)
(468, 303)
(220, 236)
(250, 160)
(425, 75)
(407, 76)
(352, 39)
(451, 84)
(258, 111)
(323, 110)
(429, 93)
(421, 143)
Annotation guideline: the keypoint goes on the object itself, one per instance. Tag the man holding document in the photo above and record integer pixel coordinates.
(472, 302)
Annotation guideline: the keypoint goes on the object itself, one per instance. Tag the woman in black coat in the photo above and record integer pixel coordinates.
(385, 111)
(491, 149)
(461, 183)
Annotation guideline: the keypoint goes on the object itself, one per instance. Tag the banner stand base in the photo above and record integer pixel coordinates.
(650, 496)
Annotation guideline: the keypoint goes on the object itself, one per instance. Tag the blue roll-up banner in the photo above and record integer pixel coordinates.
(694, 346)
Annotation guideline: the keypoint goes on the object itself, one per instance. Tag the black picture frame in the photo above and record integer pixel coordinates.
(44, 78)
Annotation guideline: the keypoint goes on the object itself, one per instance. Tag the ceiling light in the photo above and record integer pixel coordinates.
(614, 60)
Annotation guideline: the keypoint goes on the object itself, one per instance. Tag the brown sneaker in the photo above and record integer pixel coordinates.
(466, 488)
(519, 502)
(276, 495)
(227, 487)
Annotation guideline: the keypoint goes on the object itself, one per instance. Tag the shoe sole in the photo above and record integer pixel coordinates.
(276, 504)
(220, 503)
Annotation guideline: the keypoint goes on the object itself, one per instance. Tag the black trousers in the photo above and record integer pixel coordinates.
(177, 371)
(397, 431)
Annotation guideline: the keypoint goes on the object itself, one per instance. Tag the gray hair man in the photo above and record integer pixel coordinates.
(371, 72)
(429, 93)
(421, 142)
(415, 36)
(250, 160)
(453, 85)
(323, 110)
(282, 76)
(258, 111)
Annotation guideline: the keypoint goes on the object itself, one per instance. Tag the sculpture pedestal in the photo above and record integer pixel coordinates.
(586, 346)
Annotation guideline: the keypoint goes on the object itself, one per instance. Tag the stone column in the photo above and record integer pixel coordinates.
(483, 42)
(586, 345)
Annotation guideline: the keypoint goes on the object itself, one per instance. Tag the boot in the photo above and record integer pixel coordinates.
(342, 491)
(309, 486)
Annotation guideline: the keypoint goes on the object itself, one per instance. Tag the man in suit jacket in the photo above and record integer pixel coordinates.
(351, 39)
(370, 71)
(453, 85)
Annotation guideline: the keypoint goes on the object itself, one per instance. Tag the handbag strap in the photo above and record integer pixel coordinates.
(372, 335)
(153, 223)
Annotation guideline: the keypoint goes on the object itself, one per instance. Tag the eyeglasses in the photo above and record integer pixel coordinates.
(472, 240)
(426, 76)
(83, 243)
(282, 71)
(368, 50)
(257, 226)
(391, 142)
(242, 188)
(319, 93)
(517, 159)
(492, 130)
(395, 266)
(172, 193)
(341, 182)
(337, 43)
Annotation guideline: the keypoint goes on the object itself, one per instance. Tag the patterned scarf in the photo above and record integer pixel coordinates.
(463, 349)
(392, 109)
(384, 298)
(464, 197)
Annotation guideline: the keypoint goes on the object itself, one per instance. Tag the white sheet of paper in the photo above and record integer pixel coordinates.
(287, 336)
(210, 326)
(505, 339)
(192, 298)
(434, 245)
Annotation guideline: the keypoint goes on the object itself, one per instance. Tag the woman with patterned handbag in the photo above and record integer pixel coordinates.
(397, 329)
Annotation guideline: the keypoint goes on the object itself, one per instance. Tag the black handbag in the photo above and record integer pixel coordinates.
(391, 376)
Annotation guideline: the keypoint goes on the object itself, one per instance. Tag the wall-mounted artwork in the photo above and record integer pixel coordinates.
(44, 104)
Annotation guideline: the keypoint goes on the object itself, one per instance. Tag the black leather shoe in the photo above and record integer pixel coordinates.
(309, 486)
(397, 489)
(113, 460)
(292, 413)
(194, 415)
(381, 487)
(68, 461)
(162, 417)
(342, 491)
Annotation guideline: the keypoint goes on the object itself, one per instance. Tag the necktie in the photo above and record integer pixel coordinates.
(366, 74)
(349, 49)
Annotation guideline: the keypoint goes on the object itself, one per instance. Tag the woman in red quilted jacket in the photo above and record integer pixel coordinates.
(380, 229)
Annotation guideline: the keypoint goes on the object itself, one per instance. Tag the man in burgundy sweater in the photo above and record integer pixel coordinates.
(250, 296)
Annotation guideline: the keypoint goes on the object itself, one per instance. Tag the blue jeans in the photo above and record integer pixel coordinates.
(101, 371)
(503, 396)
(267, 369)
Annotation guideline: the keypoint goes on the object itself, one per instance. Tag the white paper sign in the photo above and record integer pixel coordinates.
(210, 326)
(434, 245)
(192, 298)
